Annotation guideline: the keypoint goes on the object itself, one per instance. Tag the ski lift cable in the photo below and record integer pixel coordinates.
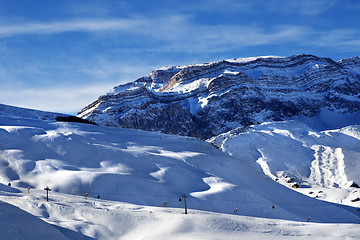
(192, 197)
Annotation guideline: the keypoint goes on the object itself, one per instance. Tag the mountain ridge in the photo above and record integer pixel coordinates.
(204, 100)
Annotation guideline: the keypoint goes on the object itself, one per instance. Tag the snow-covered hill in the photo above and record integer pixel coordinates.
(322, 164)
(18, 224)
(24, 113)
(205, 100)
(145, 169)
(77, 218)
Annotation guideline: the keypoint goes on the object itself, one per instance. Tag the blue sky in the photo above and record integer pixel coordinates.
(60, 55)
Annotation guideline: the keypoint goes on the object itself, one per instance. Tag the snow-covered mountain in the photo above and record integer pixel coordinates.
(205, 100)
(323, 165)
(134, 172)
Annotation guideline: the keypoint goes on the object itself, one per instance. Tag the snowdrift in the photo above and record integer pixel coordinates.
(18, 224)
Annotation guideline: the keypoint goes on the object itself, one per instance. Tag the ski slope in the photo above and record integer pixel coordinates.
(73, 217)
(134, 172)
(324, 164)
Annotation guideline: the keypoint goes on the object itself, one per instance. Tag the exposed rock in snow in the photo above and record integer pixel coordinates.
(205, 100)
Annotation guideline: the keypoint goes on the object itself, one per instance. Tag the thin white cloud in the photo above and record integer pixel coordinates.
(316, 7)
(69, 99)
(80, 25)
(302, 7)
(67, 94)
(343, 40)
(180, 34)
(121, 72)
(222, 6)
(194, 38)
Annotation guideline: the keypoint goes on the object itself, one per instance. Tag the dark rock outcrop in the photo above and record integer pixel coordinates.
(208, 99)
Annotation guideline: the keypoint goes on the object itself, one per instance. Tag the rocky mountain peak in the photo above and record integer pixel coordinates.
(203, 100)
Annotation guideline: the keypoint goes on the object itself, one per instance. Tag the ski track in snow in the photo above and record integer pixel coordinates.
(328, 168)
(323, 164)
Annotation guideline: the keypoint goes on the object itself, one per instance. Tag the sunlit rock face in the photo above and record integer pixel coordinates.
(205, 100)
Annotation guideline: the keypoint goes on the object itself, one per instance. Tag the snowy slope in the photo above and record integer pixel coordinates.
(21, 113)
(82, 219)
(324, 164)
(18, 224)
(145, 169)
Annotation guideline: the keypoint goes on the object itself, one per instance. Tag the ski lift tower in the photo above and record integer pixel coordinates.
(47, 189)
